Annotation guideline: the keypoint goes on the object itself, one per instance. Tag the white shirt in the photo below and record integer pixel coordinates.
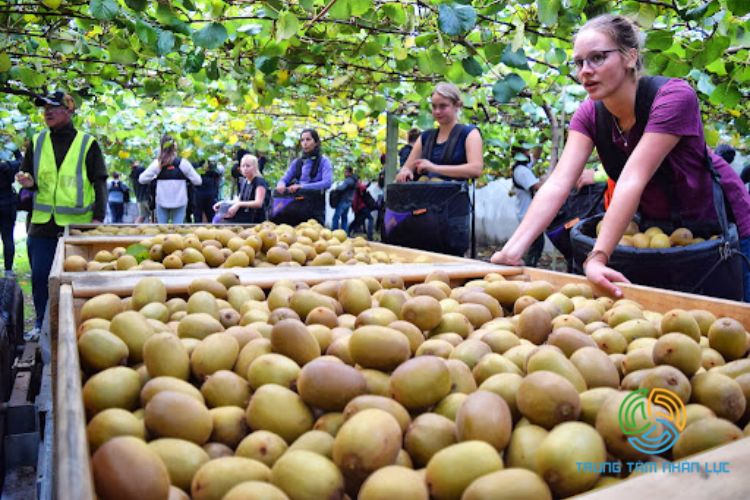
(171, 193)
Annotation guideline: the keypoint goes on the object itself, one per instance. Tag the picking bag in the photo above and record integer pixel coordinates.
(432, 216)
(712, 267)
(294, 208)
(579, 205)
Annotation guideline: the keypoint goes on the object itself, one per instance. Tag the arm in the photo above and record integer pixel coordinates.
(281, 185)
(407, 170)
(548, 199)
(640, 167)
(150, 173)
(326, 178)
(25, 176)
(471, 169)
(187, 168)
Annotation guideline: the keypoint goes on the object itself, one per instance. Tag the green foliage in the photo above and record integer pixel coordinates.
(220, 74)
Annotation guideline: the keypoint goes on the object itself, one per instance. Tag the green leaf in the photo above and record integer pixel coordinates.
(646, 15)
(507, 88)
(152, 86)
(165, 42)
(28, 76)
(287, 26)
(425, 40)
(739, 7)
(455, 19)
(5, 63)
(371, 48)
(211, 36)
(146, 33)
(711, 135)
(659, 40)
(727, 95)
(514, 59)
(695, 13)
(394, 12)
(742, 125)
(194, 61)
(555, 56)
(360, 7)
(472, 66)
(140, 252)
(212, 72)
(378, 103)
(341, 9)
(547, 11)
(713, 49)
(494, 52)
(267, 64)
(104, 10)
(137, 5)
(120, 52)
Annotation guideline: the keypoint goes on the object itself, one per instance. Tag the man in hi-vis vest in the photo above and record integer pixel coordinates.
(66, 170)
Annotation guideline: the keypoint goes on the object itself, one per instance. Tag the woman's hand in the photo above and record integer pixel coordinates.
(25, 179)
(586, 178)
(404, 175)
(294, 188)
(216, 206)
(232, 211)
(280, 187)
(505, 257)
(599, 274)
(424, 166)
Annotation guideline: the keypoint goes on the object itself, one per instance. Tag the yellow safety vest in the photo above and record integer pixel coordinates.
(65, 193)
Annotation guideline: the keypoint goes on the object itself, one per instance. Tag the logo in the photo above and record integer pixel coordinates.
(641, 408)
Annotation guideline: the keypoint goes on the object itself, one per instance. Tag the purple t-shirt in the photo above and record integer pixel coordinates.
(675, 111)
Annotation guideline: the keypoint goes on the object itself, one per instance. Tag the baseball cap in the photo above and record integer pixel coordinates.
(57, 98)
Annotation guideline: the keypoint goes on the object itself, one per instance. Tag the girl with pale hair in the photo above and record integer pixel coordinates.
(250, 205)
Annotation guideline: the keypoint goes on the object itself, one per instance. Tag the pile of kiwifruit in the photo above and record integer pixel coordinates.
(263, 245)
(655, 237)
(371, 389)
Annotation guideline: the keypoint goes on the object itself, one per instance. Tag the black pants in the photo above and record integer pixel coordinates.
(531, 258)
(7, 223)
(117, 210)
(203, 205)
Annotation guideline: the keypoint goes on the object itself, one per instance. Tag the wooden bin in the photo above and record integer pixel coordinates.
(72, 469)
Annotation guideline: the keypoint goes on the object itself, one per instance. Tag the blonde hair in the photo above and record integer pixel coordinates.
(252, 159)
(623, 32)
(450, 92)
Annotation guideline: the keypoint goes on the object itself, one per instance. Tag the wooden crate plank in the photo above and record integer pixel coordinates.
(122, 283)
(657, 299)
(689, 486)
(72, 466)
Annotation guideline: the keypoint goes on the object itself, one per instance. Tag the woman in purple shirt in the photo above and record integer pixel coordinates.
(608, 62)
(311, 171)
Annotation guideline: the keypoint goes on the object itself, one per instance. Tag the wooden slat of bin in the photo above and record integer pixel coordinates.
(122, 283)
(657, 299)
(690, 486)
(72, 465)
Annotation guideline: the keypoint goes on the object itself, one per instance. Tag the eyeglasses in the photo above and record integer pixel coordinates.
(594, 59)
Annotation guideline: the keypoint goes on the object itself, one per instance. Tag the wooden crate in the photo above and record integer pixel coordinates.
(71, 456)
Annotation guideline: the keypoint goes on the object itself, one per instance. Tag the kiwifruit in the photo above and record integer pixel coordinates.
(548, 399)
(728, 336)
(507, 484)
(678, 350)
(704, 434)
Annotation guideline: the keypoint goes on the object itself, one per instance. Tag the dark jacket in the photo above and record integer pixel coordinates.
(8, 170)
(96, 171)
(141, 190)
(345, 190)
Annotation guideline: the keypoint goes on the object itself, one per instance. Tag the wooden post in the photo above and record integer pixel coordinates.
(391, 148)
